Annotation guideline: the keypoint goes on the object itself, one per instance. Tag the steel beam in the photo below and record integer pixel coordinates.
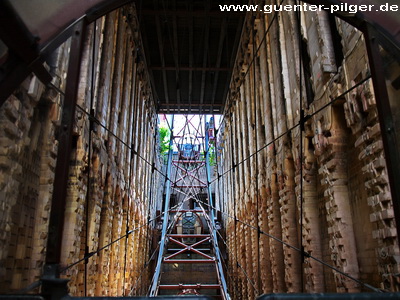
(189, 13)
(188, 173)
(56, 221)
(189, 261)
(185, 210)
(175, 52)
(15, 74)
(189, 235)
(220, 270)
(17, 37)
(190, 186)
(189, 286)
(200, 249)
(387, 124)
(187, 248)
(24, 56)
(156, 277)
(161, 50)
(219, 57)
(190, 68)
(205, 55)
(196, 102)
(188, 161)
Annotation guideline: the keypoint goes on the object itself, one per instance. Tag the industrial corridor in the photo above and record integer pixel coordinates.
(200, 149)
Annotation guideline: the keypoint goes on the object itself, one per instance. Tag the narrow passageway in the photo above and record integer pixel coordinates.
(201, 149)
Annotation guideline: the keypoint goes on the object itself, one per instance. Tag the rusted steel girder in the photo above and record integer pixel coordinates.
(386, 120)
(189, 261)
(56, 222)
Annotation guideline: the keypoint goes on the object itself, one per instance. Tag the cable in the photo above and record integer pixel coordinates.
(148, 213)
(220, 271)
(259, 150)
(233, 185)
(121, 141)
(251, 62)
(186, 166)
(96, 121)
(220, 184)
(153, 288)
(238, 264)
(305, 253)
(89, 255)
(192, 193)
(306, 118)
(142, 271)
(156, 276)
(168, 230)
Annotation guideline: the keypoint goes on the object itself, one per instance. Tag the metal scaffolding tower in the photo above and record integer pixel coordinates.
(189, 259)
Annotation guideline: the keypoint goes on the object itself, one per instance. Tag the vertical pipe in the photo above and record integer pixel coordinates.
(256, 138)
(301, 156)
(154, 286)
(212, 215)
(89, 161)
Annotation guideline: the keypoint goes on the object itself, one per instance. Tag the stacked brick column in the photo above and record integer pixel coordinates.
(331, 149)
(362, 118)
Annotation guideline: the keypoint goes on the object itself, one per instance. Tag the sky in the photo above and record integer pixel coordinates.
(188, 129)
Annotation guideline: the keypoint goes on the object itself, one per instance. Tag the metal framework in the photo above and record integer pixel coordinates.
(185, 230)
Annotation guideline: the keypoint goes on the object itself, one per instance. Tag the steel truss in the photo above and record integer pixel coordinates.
(190, 248)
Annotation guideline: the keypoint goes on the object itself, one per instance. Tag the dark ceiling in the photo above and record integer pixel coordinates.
(190, 48)
(189, 45)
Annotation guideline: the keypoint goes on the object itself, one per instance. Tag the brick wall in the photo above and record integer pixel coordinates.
(28, 155)
(336, 166)
(119, 182)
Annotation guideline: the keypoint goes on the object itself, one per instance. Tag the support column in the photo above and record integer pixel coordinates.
(331, 146)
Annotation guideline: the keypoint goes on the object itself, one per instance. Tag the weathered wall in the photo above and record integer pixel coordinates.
(28, 155)
(325, 188)
(119, 180)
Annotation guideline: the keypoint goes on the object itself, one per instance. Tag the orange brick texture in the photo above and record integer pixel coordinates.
(331, 177)
(120, 183)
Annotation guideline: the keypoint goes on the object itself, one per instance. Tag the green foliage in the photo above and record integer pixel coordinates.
(212, 155)
(164, 140)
